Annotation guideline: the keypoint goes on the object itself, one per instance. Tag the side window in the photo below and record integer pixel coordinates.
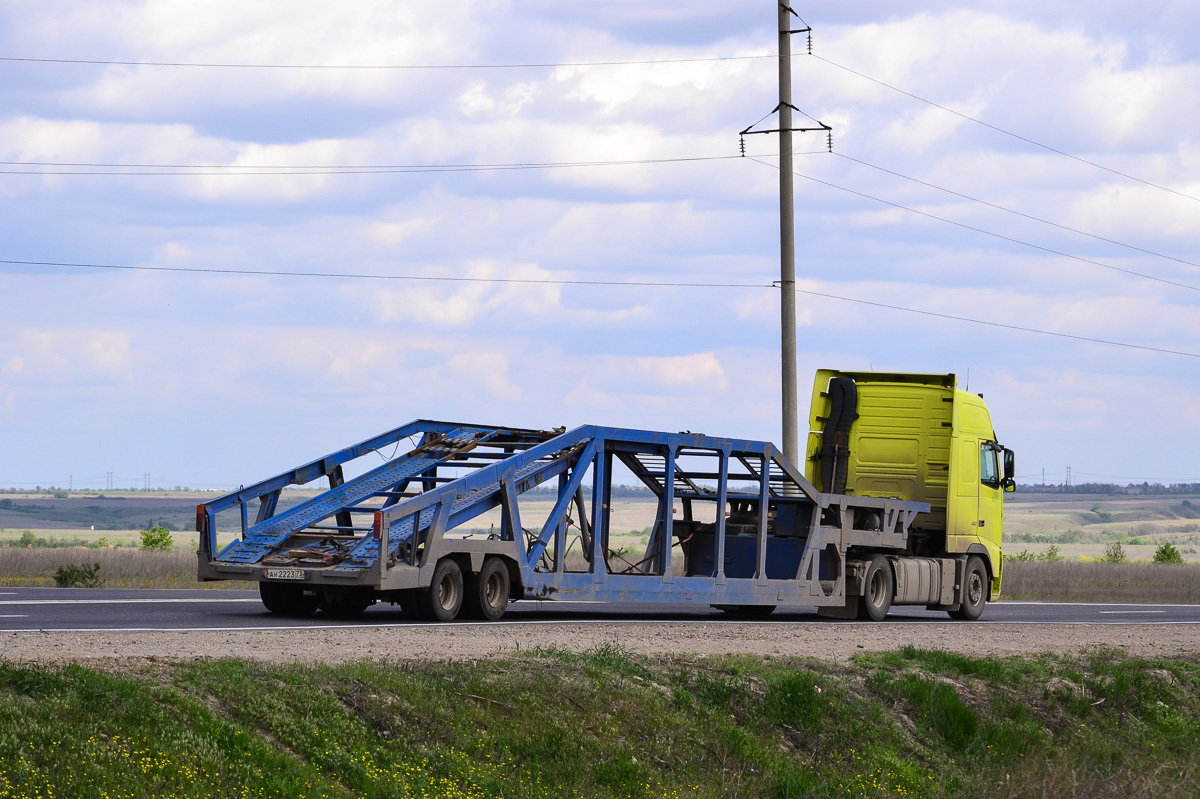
(989, 471)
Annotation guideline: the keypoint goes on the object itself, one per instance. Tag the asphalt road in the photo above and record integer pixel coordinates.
(53, 610)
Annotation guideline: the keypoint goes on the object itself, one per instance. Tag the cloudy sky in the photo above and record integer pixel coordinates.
(208, 379)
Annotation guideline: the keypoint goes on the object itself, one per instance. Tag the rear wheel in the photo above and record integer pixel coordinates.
(878, 590)
(287, 600)
(442, 600)
(975, 591)
(487, 591)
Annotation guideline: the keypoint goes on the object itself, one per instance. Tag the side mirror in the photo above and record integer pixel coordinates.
(1009, 483)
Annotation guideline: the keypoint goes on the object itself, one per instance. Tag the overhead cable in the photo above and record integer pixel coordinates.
(1000, 236)
(1019, 213)
(212, 65)
(117, 169)
(650, 283)
(1004, 325)
(998, 129)
(379, 276)
(316, 169)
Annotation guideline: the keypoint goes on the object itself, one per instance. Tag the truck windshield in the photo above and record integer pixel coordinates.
(989, 471)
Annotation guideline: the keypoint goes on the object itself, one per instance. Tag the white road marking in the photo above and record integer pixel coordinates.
(15, 616)
(1003, 602)
(1103, 612)
(556, 622)
(119, 601)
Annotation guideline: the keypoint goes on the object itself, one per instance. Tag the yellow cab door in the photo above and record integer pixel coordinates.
(991, 505)
(991, 498)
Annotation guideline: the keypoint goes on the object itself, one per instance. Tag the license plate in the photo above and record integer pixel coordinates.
(285, 574)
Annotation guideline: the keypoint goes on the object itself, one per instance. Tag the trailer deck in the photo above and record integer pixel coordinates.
(737, 525)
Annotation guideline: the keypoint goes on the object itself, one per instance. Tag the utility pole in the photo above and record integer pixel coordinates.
(787, 242)
(787, 225)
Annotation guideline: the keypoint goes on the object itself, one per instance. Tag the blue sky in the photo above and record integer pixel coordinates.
(216, 380)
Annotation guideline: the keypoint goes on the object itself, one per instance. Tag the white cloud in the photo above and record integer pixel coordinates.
(253, 354)
(65, 356)
(473, 303)
(487, 369)
(644, 376)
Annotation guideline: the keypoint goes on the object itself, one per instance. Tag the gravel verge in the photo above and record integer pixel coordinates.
(470, 642)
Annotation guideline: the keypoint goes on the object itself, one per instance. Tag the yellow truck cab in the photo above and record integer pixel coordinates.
(917, 437)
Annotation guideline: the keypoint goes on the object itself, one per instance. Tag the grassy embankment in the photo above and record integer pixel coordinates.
(607, 724)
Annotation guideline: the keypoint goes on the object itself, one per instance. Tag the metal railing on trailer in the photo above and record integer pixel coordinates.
(752, 532)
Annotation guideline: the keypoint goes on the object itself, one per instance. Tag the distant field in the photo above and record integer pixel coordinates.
(1079, 525)
(119, 518)
(1082, 525)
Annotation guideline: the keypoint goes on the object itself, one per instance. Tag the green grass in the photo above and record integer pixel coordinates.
(606, 724)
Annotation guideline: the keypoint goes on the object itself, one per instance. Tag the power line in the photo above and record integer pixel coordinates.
(367, 169)
(209, 65)
(421, 167)
(1019, 213)
(672, 284)
(1000, 324)
(1025, 139)
(365, 276)
(1001, 236)
(285, 170)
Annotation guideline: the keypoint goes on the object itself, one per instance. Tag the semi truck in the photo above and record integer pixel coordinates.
(899, 501)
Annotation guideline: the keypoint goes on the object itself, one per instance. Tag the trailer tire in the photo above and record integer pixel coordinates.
(487, 591)
(287, 600)
(974, 592)
(878, 589)
(443, 599)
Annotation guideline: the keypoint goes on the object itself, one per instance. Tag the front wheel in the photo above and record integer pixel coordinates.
(442, 600)
(878, 590)
(975, 591)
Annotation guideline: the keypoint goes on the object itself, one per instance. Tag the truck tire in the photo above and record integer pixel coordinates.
(878, 589)
(443, 599)
(975, 591)
(287, 600)
(487, 591)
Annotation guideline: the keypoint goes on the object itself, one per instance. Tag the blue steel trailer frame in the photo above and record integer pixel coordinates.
(774, 539)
